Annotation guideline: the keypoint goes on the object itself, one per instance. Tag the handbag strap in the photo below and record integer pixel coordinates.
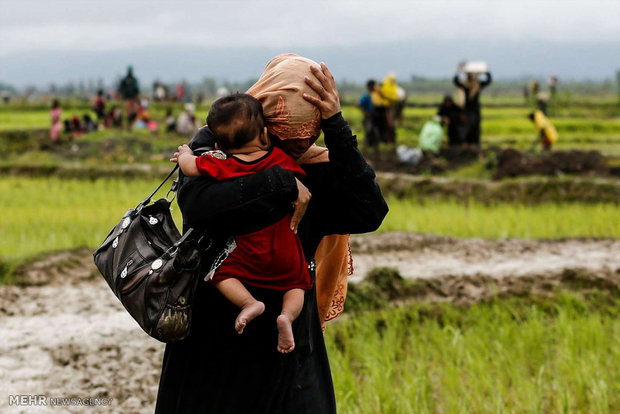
(173, 188)
(148, 199)
(175, 247)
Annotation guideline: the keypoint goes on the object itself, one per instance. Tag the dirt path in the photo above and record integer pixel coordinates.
(422, 257)
(66, 335)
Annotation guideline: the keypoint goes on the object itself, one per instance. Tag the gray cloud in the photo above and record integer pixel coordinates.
(114, 25)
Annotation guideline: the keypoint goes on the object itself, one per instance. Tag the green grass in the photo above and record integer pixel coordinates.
(507, 356)
(24, 119)
(504, 220)
(48, 214)
(42, 215)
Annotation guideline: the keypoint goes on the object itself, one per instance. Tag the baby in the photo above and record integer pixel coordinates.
(272, 257)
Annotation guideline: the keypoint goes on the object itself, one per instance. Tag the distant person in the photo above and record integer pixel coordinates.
(380, 105)
(129, 91)
(471, 89)
(431, 135)
(400, 105)
(389, 91)
(88, 125)
(114, 118)
(186, 122)
(180, 90)
(553, 86)
(143, 118)
(371, 129)
(542, 101)
(200, 97)
(534, 89)
(171, 123)
(77, 128)
(99, 106)
(547, 134)
(159, 92)
(453, 116)
(55, 115)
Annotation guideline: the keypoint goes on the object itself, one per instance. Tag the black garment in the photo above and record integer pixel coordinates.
(215, 370)
(129, 88)
(456, 123)
(381, 122)
(472, 110)
(472, 103)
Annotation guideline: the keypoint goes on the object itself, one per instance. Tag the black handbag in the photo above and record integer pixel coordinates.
(151, 268)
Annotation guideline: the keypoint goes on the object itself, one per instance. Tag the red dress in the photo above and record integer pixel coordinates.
(270, 258)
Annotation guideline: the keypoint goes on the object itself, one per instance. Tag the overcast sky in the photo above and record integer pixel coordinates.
(28, 27)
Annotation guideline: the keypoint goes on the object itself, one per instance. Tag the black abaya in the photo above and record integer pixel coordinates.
(215, 370)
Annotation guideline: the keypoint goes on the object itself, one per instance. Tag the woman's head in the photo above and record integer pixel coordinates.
(292, 122)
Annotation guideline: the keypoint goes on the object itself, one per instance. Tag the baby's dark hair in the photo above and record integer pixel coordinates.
(238, 106)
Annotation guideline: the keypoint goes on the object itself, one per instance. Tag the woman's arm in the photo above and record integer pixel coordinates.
(346, 197)
(457, 81)
(488, 80)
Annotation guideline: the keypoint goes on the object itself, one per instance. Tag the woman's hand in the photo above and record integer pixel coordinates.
(301, 204)
(183, 149)
(325, 86)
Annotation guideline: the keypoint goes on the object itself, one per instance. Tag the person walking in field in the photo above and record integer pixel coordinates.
(129, 91)
(370, 121)
(471, 89)
(55, 114)
(389, 92)
(99, 106)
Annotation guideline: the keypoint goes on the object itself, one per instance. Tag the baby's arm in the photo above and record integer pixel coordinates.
(187, 161)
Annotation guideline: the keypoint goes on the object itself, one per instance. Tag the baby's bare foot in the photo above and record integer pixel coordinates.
(286, 342)
(248, 313)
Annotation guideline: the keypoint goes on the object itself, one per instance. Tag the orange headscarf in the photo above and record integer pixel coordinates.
(288, 115)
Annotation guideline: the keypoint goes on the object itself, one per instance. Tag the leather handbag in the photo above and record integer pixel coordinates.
(151, 268)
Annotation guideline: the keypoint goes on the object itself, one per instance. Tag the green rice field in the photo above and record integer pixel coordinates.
(558, 354)
(584, 125)
(48, 214)
(526, 355)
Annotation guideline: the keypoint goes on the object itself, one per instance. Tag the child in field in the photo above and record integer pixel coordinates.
(272, 257)
(55, 114)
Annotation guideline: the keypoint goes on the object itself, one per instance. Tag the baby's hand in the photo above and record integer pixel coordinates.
(183, 149)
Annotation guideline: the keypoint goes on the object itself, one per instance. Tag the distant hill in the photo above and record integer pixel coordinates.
(421, 58)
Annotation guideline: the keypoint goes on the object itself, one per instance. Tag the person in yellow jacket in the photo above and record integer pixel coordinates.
(389, 92)
(547, 133)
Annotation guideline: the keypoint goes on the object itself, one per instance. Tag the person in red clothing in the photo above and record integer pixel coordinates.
(271, 257)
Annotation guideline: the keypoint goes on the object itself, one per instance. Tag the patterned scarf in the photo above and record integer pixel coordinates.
(288, 115)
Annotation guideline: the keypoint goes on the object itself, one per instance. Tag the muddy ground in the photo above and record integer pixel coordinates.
(64, 334)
